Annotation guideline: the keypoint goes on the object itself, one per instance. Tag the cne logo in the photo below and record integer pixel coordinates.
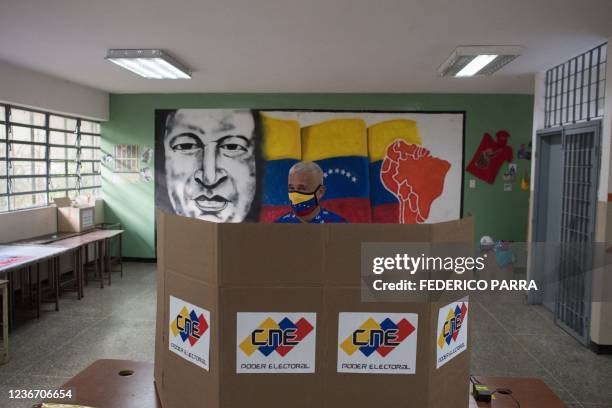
(189, 326)
(381, 338)
(271, 336)
(452, 326)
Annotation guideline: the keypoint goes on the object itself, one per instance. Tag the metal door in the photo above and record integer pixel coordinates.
(581, 159)
(547, 217)
(567, 215)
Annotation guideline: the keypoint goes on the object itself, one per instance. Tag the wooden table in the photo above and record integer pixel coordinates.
(102, 240)
(109, 384)
(78, 246)
(46, 239)
(102, 385)
(24, 257)
(529, 392)
(4, 347)
(74, 247)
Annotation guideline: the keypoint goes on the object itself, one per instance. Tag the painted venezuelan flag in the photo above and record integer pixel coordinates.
(385, 205)
(339, 147)
(282, 148)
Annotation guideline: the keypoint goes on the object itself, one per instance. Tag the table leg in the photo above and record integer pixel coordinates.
(86, 262)
(99, 268)
(5, 323)
(28, 278)
(51, 279)
(11, 290)
(107, 259)
(22, 285)
(75, 272)
(81, 271)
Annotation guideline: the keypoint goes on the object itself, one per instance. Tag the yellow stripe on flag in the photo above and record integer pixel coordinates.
(281, 138)
(334, 138)
(382, 134)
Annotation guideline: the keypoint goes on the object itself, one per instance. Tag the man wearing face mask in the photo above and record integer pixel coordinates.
(305, 192)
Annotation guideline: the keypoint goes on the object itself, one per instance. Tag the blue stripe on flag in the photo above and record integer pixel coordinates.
(345, 177)
(379, 194)
(275, 181)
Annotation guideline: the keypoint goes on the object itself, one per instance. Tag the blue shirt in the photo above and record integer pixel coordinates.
(323, 217)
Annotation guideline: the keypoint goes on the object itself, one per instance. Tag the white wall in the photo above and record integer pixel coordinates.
(18, 225)
(539, 91)
(605, 186)
(605, 180)
(601, 312)
(24, 87)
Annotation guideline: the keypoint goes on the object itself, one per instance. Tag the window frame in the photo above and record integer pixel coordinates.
(574, 91)
(7, 160)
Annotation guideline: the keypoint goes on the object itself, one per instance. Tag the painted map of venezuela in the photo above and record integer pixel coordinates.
(416, 178)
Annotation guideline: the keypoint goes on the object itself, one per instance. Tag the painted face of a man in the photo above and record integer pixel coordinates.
(210, 163)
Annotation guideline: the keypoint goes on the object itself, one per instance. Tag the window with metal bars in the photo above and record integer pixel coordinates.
(575, 90)
(44, 156)
(126, 158)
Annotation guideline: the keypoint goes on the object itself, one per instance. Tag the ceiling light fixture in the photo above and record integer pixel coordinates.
(150, 64)
(469, 61)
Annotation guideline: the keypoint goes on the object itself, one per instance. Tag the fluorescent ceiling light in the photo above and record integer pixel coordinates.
(150, 64)
(469, 61)
(476, 65)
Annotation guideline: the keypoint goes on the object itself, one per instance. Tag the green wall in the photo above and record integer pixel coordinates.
(500, 214)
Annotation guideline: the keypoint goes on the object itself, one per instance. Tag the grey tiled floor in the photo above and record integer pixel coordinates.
(513, 339)
(115, 322)
(509, 339)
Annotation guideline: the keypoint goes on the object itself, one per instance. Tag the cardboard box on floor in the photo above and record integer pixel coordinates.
(77, 218)
(218, 271)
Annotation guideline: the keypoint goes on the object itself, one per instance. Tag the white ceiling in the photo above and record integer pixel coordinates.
(298, 45)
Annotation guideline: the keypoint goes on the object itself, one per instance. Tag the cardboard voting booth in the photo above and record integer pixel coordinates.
(270, 315)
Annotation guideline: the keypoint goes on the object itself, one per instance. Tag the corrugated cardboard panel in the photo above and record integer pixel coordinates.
(162, 317)
(73, 219)
(373, 390)
(449, 382)
(184, 384)
(191, 247)
(231, 268)
(268, 390)
(343, 257)
(454, 231)
(62, 202)
(271, 254)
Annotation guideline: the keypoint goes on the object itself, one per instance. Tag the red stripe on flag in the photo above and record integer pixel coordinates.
(354, 210)
(386, 213)
(270, 213)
